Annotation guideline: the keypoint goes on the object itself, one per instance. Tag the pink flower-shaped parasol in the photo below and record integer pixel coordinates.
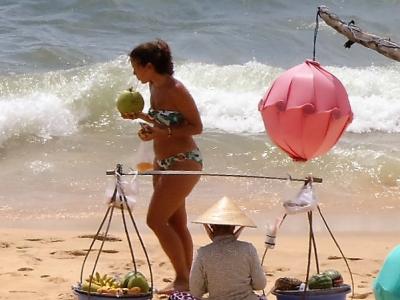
(305, 111)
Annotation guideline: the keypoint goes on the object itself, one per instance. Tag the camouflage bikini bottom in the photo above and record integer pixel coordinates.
(181, 296)
(166, 163)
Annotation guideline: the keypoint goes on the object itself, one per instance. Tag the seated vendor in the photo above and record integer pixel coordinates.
(226, 268)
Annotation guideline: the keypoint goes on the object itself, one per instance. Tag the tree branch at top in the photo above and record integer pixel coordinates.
(355, 35)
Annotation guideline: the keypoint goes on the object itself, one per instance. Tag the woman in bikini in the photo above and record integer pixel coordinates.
(175, 119)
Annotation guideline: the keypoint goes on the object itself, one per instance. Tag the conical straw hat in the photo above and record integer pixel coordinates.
(225, 212)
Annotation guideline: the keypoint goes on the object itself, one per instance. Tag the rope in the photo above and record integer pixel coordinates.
(341, 252)
(309, 255)
(101, 249)
(262, 264)
(313, 241)
(95, 237)
(316, 31)
(123, 199)
(127, 235)
(143, 247)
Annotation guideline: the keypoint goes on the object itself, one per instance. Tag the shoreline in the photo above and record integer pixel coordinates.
(338, 218)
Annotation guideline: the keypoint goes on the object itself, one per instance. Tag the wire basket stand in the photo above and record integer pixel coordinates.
(118, 193)
(312, 247)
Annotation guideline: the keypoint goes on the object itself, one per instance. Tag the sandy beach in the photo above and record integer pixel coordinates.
(43, 264)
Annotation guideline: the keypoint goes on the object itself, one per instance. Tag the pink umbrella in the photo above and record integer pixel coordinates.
(305, 111)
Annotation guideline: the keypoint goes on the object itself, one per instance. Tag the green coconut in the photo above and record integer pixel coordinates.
(130, 101)
(127, 277)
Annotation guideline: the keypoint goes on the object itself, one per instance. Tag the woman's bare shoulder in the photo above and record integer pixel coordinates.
(181, 90)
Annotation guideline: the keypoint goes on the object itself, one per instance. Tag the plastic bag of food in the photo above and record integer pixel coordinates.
(127, 188)
(144, 158)
(304, 201)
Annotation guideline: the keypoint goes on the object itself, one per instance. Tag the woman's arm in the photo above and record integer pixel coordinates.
(185, 104)
(258, 279)
(197, 283)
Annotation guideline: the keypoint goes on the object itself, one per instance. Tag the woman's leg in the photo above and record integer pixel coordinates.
(166, 206)
(178, 222)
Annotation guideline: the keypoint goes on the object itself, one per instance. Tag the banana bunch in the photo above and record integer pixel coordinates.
(105, 284)
(100, 284)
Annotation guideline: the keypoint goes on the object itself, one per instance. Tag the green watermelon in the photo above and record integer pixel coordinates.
(130, 101)
(319, 281)
(336, 277)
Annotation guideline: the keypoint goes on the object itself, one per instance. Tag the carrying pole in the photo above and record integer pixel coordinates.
(201, 173)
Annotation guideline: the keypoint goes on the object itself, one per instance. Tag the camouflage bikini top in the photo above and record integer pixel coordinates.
(166, 117)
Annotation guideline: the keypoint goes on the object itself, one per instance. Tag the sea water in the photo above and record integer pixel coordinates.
(63, 62)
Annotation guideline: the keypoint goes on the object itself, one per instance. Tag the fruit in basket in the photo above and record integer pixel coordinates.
(337, 279)
(138, 281)
(127, 277)
(91, 288)
(100, 284)
(109, 290)
(134, 291)
(287, 284)
(319, 281)
(135, 282)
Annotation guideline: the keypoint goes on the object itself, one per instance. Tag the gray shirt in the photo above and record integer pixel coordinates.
(227, 269)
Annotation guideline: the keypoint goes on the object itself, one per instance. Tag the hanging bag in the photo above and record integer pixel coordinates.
(304, 201)
(144, 158)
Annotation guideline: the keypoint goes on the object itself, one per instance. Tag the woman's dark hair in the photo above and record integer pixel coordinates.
(157, 53)
(223, 228)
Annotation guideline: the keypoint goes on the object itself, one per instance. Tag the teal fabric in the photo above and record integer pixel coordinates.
(387, 284)
(166, 117)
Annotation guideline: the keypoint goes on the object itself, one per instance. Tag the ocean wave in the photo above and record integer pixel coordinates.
(61, 102)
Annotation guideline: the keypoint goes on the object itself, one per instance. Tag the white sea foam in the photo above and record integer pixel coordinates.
(58, 103)
(40, 114)
(374, 95)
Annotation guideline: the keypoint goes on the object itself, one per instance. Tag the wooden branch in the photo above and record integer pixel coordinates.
(356, 35)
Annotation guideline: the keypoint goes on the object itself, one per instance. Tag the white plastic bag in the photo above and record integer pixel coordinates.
(304, 201)
(126, 187)
(144, 158)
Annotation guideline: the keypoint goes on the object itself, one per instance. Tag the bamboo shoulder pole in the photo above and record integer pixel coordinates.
(119, 171)
(382, 45)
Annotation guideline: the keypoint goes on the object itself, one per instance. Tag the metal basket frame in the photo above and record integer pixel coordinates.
(118, 190)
